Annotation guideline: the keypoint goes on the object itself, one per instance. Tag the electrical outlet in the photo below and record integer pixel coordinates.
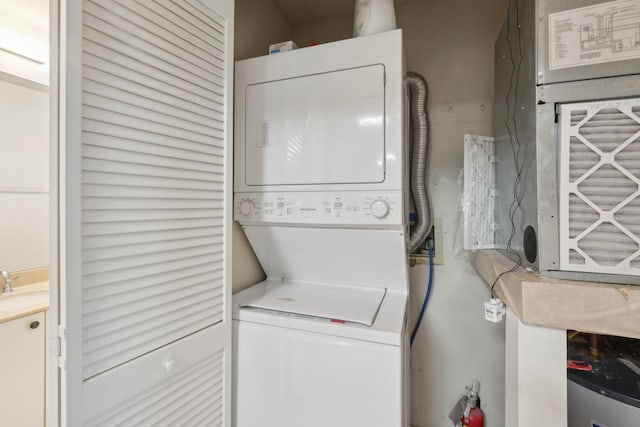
(438, 257)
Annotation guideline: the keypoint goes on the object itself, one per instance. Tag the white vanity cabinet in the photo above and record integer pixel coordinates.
(22, 371)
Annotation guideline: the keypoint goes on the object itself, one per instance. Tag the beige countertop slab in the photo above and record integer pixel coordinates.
(601, 308)
(24, 300)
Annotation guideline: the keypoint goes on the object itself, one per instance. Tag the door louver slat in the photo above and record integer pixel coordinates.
(137, 96)
(207, 46)
(155, 125)
(150, 31)
(132, 35)
(148, 152)
(144, 274)
(149, 80)
(118, 100)
(150, 170)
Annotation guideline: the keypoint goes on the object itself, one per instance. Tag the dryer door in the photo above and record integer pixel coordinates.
(323, 128)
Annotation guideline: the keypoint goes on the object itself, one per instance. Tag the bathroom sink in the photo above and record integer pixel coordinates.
(22, 301)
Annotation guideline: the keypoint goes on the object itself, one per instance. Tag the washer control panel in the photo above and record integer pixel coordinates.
(347, 207)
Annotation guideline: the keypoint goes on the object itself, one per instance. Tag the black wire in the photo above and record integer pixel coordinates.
(516, 146)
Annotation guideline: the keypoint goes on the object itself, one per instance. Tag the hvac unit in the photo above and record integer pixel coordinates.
(568, 138)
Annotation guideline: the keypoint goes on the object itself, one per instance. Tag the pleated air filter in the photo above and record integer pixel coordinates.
(599, 187)
(478, 199)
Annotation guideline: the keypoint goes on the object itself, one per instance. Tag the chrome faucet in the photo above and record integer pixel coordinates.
(7, 281)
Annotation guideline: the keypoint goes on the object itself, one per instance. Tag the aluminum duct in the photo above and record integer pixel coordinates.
(417, 88)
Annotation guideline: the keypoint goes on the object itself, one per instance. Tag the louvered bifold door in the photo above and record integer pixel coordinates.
(600, 187)
(145, 218)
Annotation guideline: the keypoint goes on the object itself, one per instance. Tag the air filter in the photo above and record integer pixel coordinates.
(478, 200)
(600, 187)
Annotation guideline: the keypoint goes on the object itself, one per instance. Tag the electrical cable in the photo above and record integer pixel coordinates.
(514, 140)
(427, 294)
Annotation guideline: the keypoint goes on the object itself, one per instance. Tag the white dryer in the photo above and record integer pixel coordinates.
(319, 192)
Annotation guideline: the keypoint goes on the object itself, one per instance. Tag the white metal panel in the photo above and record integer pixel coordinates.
(323, 128)
(333, 302)
(343, 208)
(291, 378)
(145, 210)
(350, 256)
(589, 408)
(320, 62)
(389, 326)
(600, 187)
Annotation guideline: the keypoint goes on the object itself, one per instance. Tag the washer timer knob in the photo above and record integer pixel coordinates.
(379, 209)
(247, 207)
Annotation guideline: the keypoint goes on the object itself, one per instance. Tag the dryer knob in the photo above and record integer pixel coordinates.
(247, 207)
(379, 209)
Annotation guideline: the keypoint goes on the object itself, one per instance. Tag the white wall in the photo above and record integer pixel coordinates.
(24, 30)
(323, 31)
(450, 42)
(24, 175)
(24, 135)
(258, 23)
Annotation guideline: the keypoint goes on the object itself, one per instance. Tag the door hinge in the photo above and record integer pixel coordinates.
(61, 347)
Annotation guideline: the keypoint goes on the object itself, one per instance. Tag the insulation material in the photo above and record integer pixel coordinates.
(601, 308)
(600, 187)
(478, 200)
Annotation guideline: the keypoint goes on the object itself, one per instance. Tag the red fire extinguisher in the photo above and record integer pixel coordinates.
(475, 418)
(472, 415)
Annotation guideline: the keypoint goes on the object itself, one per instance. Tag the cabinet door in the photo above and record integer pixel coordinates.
(22, 364)
(143, 114)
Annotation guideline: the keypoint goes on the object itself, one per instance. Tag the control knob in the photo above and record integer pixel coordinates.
(247, 207)
(379, 209)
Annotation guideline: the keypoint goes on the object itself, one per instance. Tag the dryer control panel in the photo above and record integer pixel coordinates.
(329, 208)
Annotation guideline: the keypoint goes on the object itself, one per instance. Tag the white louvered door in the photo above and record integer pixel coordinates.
(144, 211)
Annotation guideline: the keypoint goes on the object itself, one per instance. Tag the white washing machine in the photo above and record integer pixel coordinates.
(319, 192)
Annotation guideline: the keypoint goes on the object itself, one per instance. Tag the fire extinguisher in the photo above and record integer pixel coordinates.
(472, 415)
(475, 418)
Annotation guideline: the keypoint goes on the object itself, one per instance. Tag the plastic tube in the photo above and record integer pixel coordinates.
(417, 88)
(425, 301)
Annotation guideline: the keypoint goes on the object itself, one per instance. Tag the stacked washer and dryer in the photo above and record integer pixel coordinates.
(320, 173)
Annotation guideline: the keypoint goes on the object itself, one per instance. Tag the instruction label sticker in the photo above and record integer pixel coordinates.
(605, 32)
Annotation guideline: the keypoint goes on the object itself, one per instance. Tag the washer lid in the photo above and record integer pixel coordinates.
(341, 303)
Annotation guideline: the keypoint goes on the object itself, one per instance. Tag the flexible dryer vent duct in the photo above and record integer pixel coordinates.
(417, 87)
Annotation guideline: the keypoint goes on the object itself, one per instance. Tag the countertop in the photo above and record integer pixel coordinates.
(602, 308)
(24, 300)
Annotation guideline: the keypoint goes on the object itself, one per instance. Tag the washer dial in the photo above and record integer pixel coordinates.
(379, 209)
(247, 207)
